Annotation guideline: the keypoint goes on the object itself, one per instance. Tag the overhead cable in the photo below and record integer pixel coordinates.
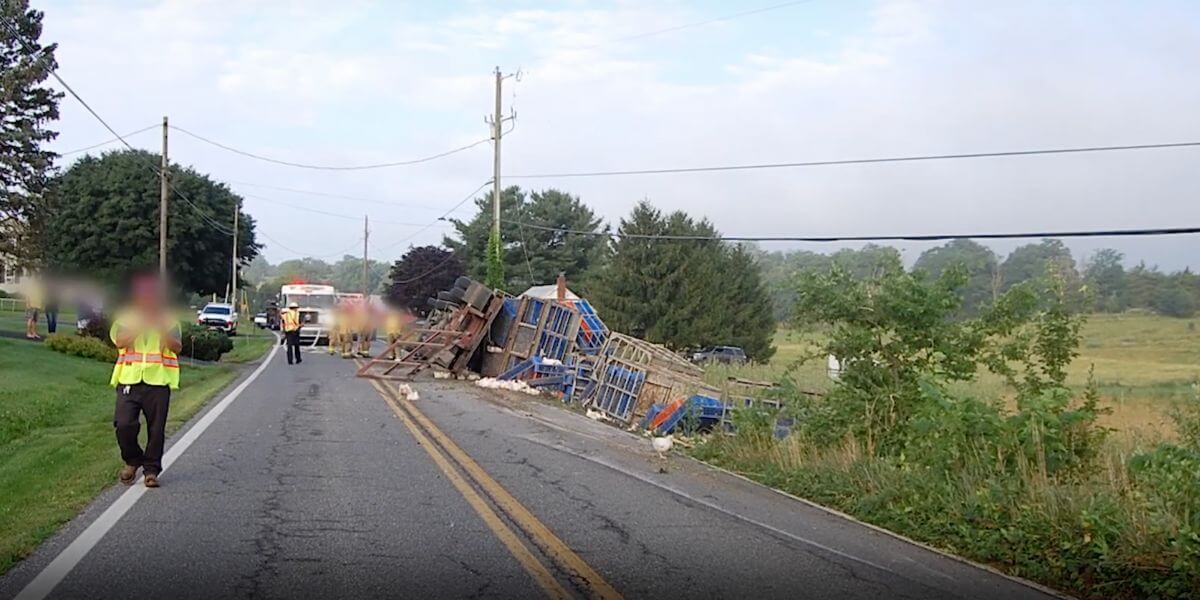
(439, 219)
(107, 142)
(54, 73)
(859, 161)
(881, 238)
(298, 165)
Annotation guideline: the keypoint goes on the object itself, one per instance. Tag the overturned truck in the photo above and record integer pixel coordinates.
(554, 341)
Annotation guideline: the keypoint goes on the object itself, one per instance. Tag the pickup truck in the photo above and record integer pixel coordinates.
(218, 315)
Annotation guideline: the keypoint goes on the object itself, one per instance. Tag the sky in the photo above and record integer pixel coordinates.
(612, 85)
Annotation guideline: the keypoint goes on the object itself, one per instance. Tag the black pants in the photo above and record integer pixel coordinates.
(153, 401)
(293, 346)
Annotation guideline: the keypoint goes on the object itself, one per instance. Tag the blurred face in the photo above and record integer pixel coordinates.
(145, 294)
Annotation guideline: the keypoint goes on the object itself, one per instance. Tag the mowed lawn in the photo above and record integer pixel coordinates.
(1143, 363)
(57, 439)
(249, 344)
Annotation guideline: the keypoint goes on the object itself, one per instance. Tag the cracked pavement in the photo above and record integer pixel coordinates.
(308, 486)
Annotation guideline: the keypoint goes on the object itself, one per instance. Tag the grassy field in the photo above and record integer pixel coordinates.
(249, 344)
(57, 438)
(1143, 365)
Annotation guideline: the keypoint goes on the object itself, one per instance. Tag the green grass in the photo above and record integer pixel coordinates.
(1144, 364)
(57, 438)
(15, 321)
(249, 345)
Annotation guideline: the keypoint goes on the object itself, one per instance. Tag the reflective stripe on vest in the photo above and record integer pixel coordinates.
(145, 360)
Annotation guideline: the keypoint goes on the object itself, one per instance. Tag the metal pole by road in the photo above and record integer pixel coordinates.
(162, 207)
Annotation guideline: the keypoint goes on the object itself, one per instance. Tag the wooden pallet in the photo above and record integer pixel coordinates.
(416, 351)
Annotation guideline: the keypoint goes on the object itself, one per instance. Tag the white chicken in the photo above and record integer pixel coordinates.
(662, 445)
(408, 392)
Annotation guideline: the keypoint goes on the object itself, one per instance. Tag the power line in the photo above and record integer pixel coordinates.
(882, 238)
(307, 254)
(107, 142)
(337, 196)
(862, 161)
(329, 167)
(439, 219)
(431, 270)
(54, 73)
(328, 213)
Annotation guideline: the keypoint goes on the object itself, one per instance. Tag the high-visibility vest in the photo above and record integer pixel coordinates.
(291, 319)
(146, 360)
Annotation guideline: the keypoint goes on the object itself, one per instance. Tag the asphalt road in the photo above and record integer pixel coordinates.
(314, 484)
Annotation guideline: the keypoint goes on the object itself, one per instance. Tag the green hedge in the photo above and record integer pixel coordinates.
(85, 347)
(204, 344)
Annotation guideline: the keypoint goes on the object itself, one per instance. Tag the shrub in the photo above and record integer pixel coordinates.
(84, 347)
(204, 344)
(98, 327)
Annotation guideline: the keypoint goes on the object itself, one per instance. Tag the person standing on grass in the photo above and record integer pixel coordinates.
(51, 309)
(148, 339)
(33, 307)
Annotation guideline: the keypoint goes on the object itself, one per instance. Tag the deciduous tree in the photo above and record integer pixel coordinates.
(421, 273)
(105, 222)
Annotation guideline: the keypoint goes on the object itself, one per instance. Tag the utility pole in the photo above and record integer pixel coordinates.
(162, 209)
(497, 121)
(366, 233)
(233, 278)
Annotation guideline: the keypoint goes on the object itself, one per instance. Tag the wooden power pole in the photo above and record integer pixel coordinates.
(233, 278)
(497, 122)
(162, 208)
(366, 233)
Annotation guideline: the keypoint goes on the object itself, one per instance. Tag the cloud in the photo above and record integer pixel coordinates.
(380, 81)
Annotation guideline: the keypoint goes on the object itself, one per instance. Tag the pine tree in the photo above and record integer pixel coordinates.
(684, 293)
(27, 106)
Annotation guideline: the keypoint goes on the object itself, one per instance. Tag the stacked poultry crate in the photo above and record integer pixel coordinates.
(631, 375)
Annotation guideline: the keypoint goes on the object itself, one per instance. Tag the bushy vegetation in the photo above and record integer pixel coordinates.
(82, 346)
(204, 344)
(1025, 480)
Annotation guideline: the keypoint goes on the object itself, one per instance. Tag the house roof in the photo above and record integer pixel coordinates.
(547, 292)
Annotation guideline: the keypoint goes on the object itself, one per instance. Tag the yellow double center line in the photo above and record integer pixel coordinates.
(458, 467)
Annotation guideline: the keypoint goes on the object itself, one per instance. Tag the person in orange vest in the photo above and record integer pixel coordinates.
(148, 340)
(289, 321)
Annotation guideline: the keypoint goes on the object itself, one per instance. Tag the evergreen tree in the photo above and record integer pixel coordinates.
(684, 293)
(27, 106)
(531, 255)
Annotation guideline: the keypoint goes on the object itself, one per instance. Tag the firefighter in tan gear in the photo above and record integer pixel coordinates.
(345, 330)
(335, 337)
(396, 324)
(365, 328)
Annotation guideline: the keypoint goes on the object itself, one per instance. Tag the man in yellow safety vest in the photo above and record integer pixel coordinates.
(290, 323)
(148, 340)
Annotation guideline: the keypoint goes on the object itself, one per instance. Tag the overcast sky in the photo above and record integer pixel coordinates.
(356, 82)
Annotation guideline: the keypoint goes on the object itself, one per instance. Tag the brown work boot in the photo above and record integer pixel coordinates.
(151, 480)
(127, 474)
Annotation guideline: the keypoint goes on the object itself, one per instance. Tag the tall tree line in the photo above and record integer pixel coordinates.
(1100, 284)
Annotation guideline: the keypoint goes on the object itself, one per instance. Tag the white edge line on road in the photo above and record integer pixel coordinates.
(830, 511)
(57, 570)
